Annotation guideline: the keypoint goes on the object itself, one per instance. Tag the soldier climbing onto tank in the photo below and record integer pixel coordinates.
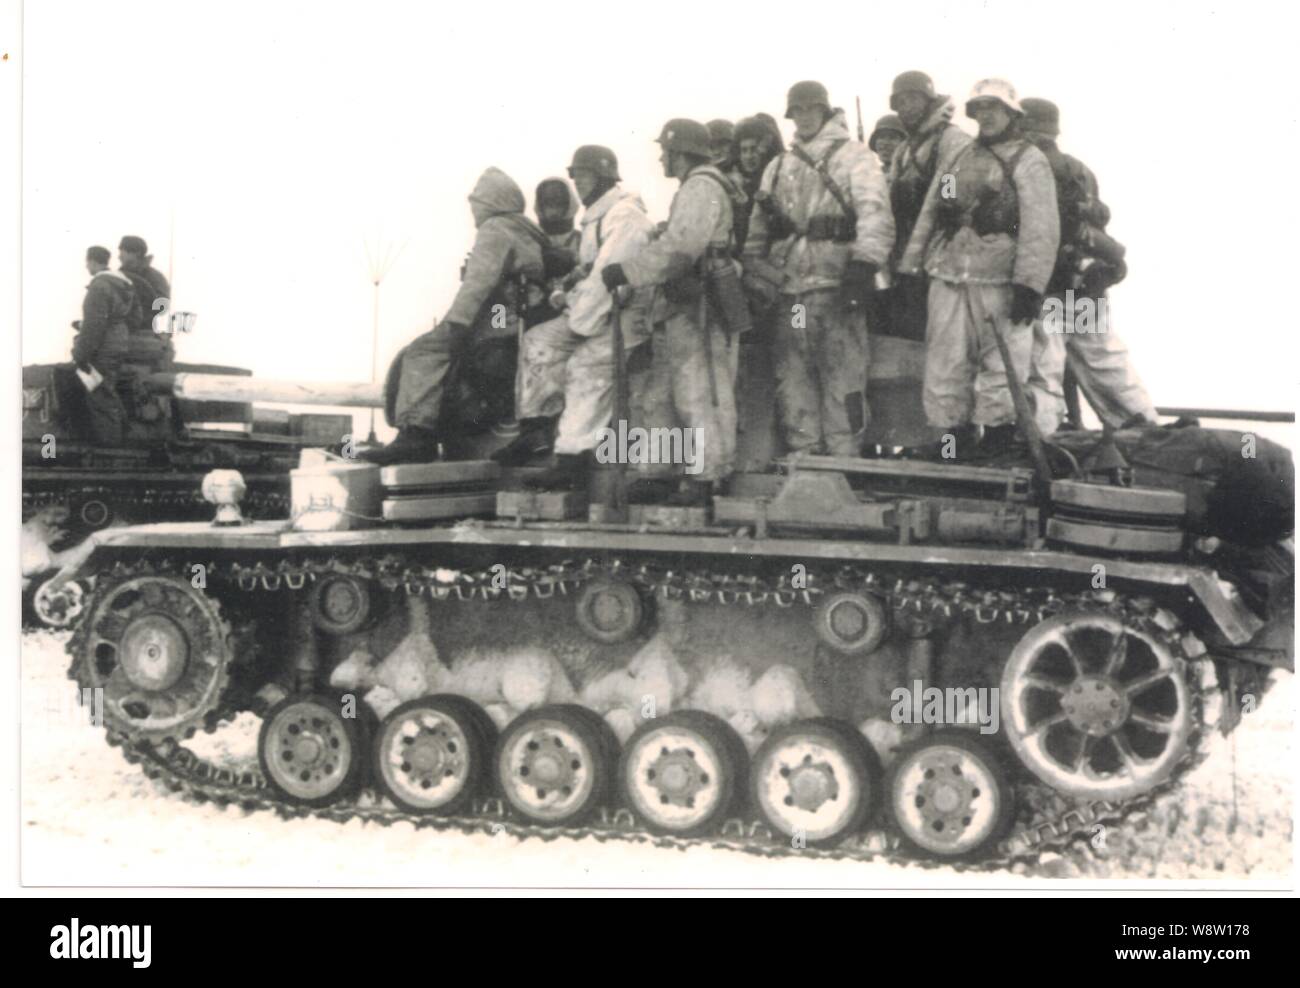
(569, 361)
(1074, 329)
(987, 237)
(689, 380)
(509, 249)
(932, 141)
(101, 345)
(821, 219)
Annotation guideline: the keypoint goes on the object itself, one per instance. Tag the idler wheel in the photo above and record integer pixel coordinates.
(610, 611)
(554, 764)
(310, 753)
(817, 778)
(93, 514)
(434, 754)
(949, 797)
(1095, 707)
(160, 652)
(851, 623)
(683, 773)
(340, 603)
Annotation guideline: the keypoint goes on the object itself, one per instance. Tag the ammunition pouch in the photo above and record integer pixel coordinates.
(837, 229)
(779, 225)
(996, 214)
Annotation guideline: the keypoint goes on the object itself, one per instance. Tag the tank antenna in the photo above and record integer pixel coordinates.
(379, 262)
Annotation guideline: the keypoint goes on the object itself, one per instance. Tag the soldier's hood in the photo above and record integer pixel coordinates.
(940, 114)
(572, 210)
(835, 129)
(608, 201)
(498, 193)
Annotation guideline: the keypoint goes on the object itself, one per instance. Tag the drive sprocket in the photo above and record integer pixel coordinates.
(160, 651)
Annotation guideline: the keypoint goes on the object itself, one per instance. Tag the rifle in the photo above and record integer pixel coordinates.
(622, 411)
(862, 134)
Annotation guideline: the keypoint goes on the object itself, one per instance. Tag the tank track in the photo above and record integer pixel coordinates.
(1048, 821)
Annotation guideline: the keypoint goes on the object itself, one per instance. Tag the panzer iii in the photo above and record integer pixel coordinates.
(855, 657)
(182, 422)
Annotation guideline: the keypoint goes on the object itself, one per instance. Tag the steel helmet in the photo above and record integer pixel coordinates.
(686, 136)
(721, 130)
(596, 158)
(995, 89)
(889, 122)
(1041, 115)
(807, 93)
(910, 82)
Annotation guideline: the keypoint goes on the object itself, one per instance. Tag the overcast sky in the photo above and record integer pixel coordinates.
(278, 140)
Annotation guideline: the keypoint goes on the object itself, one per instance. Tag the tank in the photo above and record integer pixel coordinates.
(870, 658)
(182, 423)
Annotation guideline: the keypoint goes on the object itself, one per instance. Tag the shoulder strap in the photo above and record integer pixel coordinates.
(1009, 166)
(822, 168)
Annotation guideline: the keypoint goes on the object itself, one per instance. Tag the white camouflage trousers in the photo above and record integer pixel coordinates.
(1066, 333)
(568, 375)
(964, 377)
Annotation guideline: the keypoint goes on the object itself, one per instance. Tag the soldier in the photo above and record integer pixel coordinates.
(508, 249)
(693, 362)
(932, 139)
(886, 136)
(822, 220)
(755, 142)
(101, 344)
(555, 207)
(987, 237)
(1088, 263)
(570, 360)
(152, 291)
(722, 135)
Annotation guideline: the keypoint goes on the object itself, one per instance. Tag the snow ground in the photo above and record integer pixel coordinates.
(88, 818)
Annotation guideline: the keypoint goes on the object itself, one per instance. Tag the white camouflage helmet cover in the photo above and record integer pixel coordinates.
(998, 89)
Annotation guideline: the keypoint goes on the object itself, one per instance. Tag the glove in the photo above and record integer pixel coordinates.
(1026, 304)
(858, 283)
(612, 275)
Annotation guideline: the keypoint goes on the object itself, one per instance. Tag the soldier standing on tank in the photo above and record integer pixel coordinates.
(1088, 263)
(987, 237)
(886, 136)
(101, 344)
(507, 249)
(822, 218)
(569, 361)
(932, 141)
(691, 378)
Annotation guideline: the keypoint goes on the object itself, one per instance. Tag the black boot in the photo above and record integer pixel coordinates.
(692, 494)
(570, 473)
(998, 439)
(536, 436)
(412, 445)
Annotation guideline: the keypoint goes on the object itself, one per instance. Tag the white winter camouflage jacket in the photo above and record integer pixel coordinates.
(996, 258)
(802, 194)
(614, 228)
